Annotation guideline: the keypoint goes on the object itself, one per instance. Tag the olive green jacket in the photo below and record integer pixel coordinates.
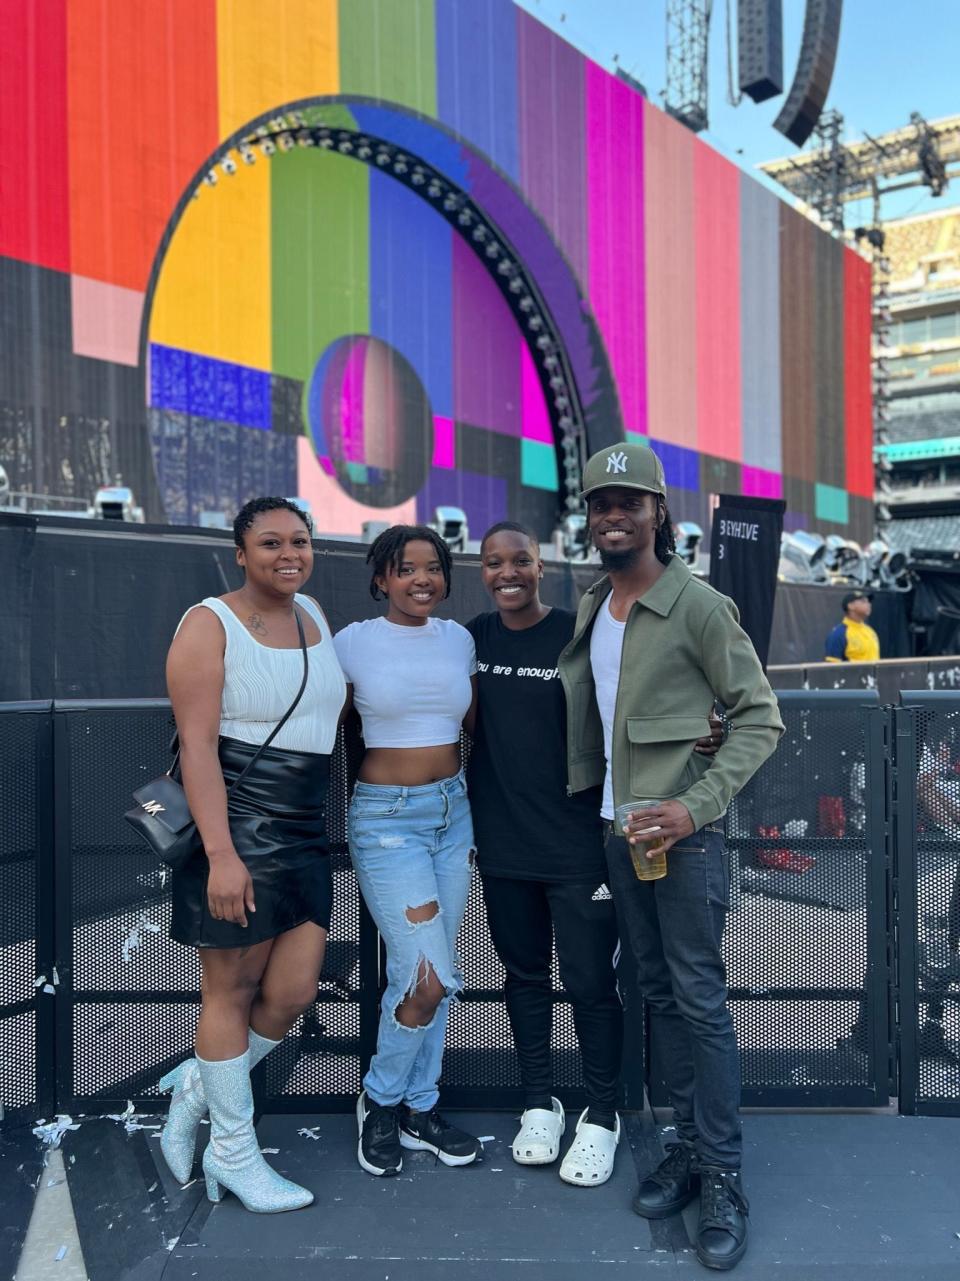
(683, 648)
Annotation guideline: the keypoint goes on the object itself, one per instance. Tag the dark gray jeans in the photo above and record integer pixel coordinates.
(674, 928)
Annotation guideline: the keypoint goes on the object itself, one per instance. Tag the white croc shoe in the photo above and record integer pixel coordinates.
(589, 1159)
(538, 1139)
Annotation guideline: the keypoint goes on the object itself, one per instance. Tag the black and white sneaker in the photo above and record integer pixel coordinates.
(429, 1132)
(378, 1150)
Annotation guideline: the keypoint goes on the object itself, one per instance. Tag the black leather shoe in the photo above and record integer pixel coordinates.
(430, 1132)
(671, 1186)
(378, 1150)
(722, 1230)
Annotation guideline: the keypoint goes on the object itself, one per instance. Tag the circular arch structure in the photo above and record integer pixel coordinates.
(552, 315)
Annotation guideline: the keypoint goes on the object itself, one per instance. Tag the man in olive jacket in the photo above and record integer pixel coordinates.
(654, 648)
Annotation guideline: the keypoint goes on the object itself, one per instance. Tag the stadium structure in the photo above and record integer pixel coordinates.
(923, 371)
(390, 257)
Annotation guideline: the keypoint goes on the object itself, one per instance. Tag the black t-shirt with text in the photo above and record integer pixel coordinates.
(526, 825)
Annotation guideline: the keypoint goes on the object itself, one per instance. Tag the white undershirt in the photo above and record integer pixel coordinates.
(606, 646)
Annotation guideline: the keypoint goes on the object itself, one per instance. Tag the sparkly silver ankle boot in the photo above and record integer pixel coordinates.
(232, 1159)
(188, 1107)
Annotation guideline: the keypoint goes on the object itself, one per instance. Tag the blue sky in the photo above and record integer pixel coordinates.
(887, 66)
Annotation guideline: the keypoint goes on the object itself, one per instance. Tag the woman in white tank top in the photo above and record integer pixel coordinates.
(256, 901)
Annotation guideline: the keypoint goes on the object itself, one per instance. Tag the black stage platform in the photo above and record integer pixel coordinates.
(862, 1197)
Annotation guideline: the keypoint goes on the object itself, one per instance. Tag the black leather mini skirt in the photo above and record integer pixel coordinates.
(277, 821)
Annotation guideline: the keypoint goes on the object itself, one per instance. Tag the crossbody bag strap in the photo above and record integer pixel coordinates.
(284, 718)
(276, 729)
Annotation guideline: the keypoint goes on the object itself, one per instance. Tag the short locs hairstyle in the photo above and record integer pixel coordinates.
(665, 542)
(249, 512)
(509, 526)
(386, 552)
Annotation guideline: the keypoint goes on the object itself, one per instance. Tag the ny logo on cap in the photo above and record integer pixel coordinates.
(617, 462)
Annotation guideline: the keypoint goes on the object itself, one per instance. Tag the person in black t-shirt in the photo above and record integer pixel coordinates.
(541, 860)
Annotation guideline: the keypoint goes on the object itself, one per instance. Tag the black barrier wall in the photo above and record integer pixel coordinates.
(132, 583)
(29, 979)
(841, 943)
(926, 826)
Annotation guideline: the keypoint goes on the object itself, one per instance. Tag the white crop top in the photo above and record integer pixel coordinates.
(411, 685)
(260, 684)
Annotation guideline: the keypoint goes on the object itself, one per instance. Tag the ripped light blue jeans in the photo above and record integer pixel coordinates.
(411, 847)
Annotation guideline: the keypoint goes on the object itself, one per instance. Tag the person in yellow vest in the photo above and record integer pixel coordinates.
(853, 640)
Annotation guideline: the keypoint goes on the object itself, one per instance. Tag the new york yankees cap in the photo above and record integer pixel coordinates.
(627, 466)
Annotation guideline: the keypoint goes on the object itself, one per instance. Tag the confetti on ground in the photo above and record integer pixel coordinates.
(487, 1138)
(130, 1119)
(172, 1242)
(310, 1133)
(270, 1151)
(51, 1132)
(61, 1253)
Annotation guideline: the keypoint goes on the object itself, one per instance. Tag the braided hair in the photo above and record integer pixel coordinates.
(249, 512)
(386, 552)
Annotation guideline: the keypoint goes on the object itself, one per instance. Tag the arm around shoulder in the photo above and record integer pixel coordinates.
(736, 677)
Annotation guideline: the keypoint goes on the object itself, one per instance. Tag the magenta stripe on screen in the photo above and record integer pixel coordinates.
(616, 235)
(757, 483)
(351, 403)
(444, 451)
(536, 420)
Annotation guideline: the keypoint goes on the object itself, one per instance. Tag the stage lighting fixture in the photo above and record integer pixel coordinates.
(371, 529)
(844, 559)
(229, 166)
(4, 488)
(451, 524)
(116, 502)
(574, 536)
(801, 557)
(689, 536)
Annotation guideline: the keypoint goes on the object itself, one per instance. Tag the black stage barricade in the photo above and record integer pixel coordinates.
(811, 914)
(29, 979)
(926, 827)
(130, 584)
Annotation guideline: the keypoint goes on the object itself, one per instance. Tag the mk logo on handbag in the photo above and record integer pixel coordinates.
(153, 808)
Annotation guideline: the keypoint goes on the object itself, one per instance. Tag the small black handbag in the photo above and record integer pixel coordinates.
(161, 814)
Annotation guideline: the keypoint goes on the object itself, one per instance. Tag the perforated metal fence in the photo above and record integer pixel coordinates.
(806, 939)
(28, 981)
(926, 827)
(840, 943)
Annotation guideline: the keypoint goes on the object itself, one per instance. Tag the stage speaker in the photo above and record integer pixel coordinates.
(811, 84)
(760, 48)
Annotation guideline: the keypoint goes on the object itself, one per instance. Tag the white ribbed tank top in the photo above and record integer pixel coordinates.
(260, 684)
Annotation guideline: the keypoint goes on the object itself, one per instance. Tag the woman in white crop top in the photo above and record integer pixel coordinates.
(413, 678)
(256, 901)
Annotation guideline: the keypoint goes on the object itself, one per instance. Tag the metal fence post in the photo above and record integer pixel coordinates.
(880, 782)
(905, 977)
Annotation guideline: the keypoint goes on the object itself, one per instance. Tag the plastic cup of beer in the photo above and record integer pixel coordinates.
(648, 858)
